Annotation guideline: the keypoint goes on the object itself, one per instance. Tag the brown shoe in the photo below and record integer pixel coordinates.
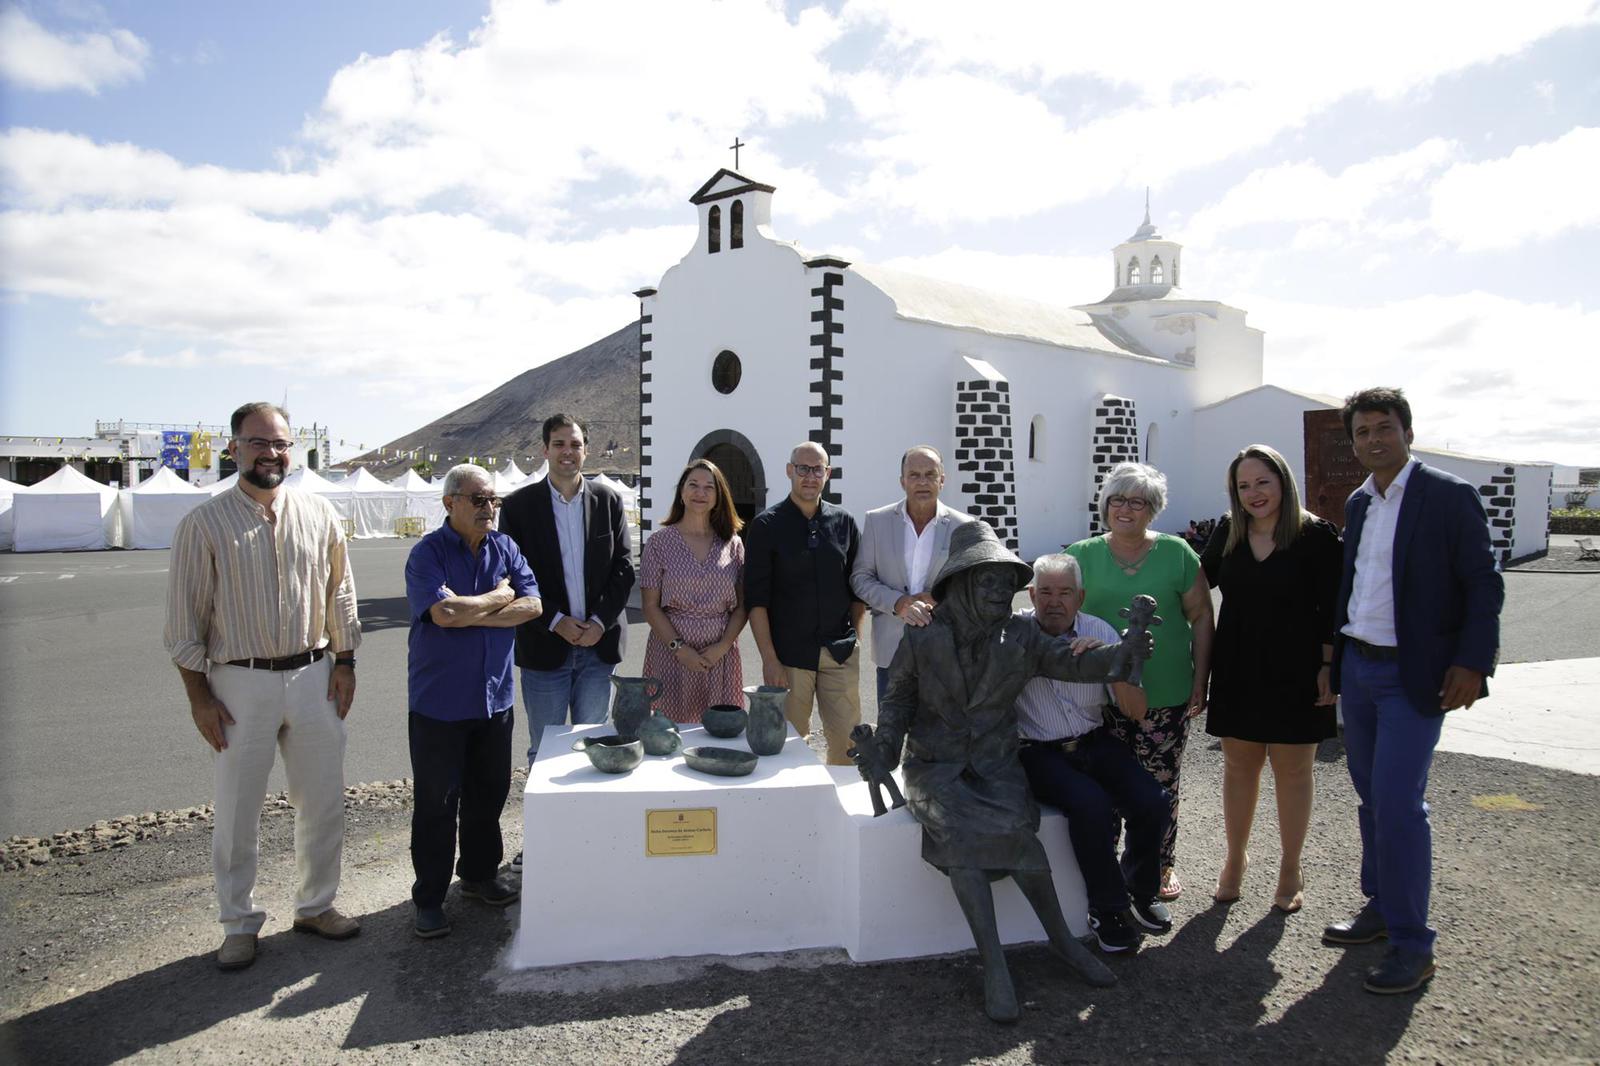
(238, 951)
(330, 925)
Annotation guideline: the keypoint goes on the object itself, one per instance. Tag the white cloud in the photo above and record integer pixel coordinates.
(1331, 207)
(34, 58)
(1536, 192)
(420, 298)
(185, 359)
(1461, 359)
(1179, 87)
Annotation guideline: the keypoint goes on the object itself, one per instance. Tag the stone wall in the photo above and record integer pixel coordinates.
(984, 454)
(1115, 440)
(1500, 501)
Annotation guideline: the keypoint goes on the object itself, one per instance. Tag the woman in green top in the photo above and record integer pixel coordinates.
(1125, 562)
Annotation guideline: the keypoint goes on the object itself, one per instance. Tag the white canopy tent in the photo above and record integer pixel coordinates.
(217, 488)
(8, 489)
(374, 505)
(335, 492)
(424, 499)
(514, 472)
(630, 497)
(66, 512)
(152, 509)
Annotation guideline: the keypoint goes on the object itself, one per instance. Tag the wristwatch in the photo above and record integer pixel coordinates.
(350, 662)
(675, 643)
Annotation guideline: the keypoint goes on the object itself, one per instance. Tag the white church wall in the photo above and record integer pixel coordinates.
(1228, 355)
(1267, 415)
(1533, 509)
(755, 302)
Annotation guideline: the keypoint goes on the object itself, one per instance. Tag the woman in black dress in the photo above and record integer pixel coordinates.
(1278, 568)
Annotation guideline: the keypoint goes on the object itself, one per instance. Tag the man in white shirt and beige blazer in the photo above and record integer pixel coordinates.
(903, 546)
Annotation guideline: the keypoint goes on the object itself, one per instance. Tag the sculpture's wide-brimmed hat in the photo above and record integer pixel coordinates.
(973, 544)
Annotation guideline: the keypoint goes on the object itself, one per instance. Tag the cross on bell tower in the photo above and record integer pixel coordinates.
(735, 146)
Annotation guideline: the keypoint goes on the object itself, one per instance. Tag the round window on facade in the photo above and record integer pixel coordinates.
(725, 372)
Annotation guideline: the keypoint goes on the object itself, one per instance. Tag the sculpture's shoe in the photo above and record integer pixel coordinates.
(1082, 960)
(999, 996)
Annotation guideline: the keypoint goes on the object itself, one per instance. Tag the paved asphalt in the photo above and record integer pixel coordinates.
(93, 723)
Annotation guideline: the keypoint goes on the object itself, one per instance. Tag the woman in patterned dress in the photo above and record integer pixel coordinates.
(691, 581)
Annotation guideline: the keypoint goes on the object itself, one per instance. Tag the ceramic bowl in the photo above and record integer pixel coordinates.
(725, 720)
(723, 762)
(613, 754)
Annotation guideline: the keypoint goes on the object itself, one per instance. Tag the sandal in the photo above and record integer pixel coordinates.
(1290, 902)
(1229, 892)
(1171, 887)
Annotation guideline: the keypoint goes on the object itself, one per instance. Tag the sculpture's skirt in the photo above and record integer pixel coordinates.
(975, 821)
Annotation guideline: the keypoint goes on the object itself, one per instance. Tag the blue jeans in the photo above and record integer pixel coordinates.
(1089, 786)
(883, 682)
(1389, 747)
(582, 683)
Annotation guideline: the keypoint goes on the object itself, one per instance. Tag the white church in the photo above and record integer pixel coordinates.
(751, 344)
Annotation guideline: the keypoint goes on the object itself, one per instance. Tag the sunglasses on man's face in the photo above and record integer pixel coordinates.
(479, 500)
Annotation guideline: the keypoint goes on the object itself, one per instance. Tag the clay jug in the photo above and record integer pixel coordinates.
(660, 735)
(632, 704)
(768, 728)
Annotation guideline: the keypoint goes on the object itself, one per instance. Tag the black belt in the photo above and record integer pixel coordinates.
(291, 662)
(1066, 744)
(1374, 651)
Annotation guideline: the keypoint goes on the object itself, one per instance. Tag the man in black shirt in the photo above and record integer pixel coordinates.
(798, 556)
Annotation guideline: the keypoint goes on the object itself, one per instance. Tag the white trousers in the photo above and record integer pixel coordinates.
(287, 710)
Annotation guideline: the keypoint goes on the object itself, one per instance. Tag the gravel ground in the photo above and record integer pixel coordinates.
(107, 954)
(1560, 559)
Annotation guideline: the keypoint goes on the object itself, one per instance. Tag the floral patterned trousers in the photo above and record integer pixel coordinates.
(1157, 742)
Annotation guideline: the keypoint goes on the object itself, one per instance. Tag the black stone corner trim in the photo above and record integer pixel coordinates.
(642, 293)
(826, 309)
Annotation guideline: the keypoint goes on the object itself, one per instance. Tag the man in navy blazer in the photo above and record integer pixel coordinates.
(575, 538)
(1418, 632)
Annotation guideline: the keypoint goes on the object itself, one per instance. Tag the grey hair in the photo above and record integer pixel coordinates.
(1057, 563)
(1134, 479)
(464, 472)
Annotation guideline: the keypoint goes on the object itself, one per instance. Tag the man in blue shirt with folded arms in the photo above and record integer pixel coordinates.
(468, 587)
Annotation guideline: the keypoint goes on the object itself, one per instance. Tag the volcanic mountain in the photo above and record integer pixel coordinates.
(597, 384)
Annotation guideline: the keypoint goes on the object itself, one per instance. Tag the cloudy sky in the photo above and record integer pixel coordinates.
(388, 208)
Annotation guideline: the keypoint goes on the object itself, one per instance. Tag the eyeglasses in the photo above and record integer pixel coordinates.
(262, 444)
(919, 475)
(810, 471)
(1132, 503)
(479, 500)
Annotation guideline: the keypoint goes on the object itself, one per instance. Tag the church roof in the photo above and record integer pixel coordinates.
(1315, 397)
(950, 304)
(727, 183)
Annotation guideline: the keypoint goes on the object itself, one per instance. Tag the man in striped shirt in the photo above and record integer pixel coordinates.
(261, 623)
(1073, 762)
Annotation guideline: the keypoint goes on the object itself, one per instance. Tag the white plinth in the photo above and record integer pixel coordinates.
(895, 906)
(589, 891)
(800, 863)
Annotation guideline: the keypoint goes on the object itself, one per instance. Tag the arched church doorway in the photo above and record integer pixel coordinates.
(736, 457)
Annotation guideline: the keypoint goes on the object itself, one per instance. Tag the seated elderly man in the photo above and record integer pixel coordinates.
(1073, 762)
(468, 588)
(951, 702)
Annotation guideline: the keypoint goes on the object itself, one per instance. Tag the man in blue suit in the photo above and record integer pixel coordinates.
(1418, 631)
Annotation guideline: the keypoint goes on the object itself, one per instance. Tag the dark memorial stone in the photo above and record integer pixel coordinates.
(1332, 470)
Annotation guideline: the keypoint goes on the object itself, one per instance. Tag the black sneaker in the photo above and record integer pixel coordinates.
(431, 923)
(516, 864)
(1152, 914)
(1113, 932)
(496, 891)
